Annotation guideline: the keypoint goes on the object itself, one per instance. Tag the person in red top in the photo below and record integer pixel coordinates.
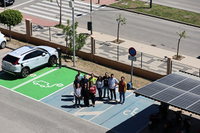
(92, 92)
(122, 89)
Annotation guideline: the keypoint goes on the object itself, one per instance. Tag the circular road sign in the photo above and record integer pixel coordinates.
(132, 51)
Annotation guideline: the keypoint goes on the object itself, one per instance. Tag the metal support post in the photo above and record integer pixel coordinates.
(117, 53)
(150, 3)
(72, 6)
(141, 59)
(49, 33)
(31, 28)
(91, 14)
(59, 56)
(94, 47)
(4, 4)
(131, 71)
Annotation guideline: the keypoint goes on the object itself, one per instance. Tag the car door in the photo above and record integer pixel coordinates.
(42, 57)
(30, 60)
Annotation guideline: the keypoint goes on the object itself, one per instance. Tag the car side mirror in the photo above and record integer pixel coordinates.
(43, 54)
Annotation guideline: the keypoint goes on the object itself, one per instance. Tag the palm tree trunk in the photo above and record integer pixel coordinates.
(178, 48)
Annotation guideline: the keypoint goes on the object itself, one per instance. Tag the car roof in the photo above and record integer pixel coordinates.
(20, 51)
(26, 49)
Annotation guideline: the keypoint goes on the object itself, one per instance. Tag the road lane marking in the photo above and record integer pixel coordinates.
(33, 79)
(107, 109)
(21, 4)
(55, 92)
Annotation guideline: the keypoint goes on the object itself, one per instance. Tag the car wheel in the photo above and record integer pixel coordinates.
(3, 45)
(24, 72)
(52, 61)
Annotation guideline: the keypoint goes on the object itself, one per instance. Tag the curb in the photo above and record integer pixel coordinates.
(197, 26)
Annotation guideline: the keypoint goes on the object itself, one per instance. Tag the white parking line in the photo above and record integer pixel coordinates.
(107, 108)
(33, 79)
(55, 92)
(21, 4)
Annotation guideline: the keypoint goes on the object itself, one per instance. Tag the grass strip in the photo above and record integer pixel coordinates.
(159, 10)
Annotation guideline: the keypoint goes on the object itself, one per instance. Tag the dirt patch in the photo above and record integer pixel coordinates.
(89, 67)
(119, 42)
(180, 57)
(97, 69)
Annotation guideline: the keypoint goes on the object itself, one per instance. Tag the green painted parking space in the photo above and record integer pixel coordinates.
(51, 82)
(9, 81)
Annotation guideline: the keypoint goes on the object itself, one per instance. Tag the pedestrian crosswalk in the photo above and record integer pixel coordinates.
(51, 11)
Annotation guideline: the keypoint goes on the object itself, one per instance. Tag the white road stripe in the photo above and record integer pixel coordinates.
(55, 4)
(55, 92)
(80, 6)
(83, 3)
(46, 13)
(50, 10)
(33, 79)
(42, 16)
(21, 4)
(63, 9)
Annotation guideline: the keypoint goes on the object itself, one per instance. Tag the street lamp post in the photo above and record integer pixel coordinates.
(91, 14)
(72, 6)
(4, 4)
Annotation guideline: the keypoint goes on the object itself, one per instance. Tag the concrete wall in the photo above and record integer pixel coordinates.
(88, 56)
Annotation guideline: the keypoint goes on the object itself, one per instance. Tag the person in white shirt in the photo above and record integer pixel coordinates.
(112, 83)
(99, 85)
(77, 93)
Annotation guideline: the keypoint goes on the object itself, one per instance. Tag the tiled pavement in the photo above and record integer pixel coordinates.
(108, 50)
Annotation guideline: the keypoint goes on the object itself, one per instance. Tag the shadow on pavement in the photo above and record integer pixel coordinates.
(136, 122)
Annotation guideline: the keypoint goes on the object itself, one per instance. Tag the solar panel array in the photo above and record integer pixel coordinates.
(177, 89)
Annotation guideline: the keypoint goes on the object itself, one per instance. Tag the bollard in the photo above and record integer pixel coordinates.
(59, 56)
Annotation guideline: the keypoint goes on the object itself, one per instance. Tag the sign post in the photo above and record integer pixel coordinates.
(131, 57)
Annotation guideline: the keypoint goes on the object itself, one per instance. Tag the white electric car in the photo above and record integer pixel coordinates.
(25, 59)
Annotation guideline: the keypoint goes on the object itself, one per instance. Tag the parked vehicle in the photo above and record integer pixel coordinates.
(156, 118)
(2, 40)
(7, 2)
(27, 58)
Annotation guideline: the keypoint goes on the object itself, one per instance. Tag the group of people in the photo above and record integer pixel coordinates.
(87, 88)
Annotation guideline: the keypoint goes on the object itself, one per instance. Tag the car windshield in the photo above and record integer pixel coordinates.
(10, 59)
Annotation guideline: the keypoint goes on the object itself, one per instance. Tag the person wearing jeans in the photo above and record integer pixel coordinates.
(105, 87)
(92, 92)
(77, 93)
(122, 90)
(112, 83)
(99, 85)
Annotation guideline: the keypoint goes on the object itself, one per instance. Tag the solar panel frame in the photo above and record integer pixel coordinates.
(183, 93)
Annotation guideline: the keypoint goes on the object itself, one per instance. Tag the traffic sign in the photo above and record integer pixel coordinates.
(132, 51)
(132, 58)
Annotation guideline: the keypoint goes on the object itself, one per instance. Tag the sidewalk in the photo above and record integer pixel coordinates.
(152, 58)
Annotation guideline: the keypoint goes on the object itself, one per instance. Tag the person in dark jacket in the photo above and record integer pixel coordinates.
(85, 94)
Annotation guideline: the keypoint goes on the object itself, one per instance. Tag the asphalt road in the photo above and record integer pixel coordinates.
(139, 28)
(190, 5)
(147, 30)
